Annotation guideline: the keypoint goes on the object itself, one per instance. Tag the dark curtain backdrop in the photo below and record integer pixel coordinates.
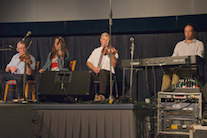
(80, 47)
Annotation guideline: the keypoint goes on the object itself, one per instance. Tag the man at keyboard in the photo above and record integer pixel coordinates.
(189, 46)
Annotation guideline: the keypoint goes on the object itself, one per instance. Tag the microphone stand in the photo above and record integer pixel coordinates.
(25, 69)
(110, 24)
(132, 56)
(5, 49)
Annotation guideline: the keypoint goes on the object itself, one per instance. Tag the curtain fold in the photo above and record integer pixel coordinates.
(85, 124)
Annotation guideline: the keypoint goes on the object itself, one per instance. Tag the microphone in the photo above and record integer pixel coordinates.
(28, 33)
(11, 46)
(132, 45)
(132, 39)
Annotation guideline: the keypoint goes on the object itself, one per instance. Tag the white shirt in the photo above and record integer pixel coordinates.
(196, 47)
(105, 64)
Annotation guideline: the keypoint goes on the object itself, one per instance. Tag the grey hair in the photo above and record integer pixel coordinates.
(104, 34)
(21, 42)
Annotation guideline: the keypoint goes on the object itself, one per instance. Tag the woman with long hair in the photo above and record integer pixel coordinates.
(57, 57)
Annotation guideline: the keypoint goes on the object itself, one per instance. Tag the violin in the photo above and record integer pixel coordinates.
(106, 52)
(23, 57)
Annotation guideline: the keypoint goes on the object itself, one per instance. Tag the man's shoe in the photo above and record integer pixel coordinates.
(101, 97)
(96, 98)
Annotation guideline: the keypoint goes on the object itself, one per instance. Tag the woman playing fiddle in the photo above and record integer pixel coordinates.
(99, 63)
(57, 57)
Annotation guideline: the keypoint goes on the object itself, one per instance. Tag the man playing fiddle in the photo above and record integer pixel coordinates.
(99, 63)
(15, 68)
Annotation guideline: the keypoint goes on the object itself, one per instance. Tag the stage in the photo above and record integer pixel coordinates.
(56, 120)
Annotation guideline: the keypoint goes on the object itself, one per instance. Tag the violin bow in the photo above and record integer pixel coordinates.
(29, 45)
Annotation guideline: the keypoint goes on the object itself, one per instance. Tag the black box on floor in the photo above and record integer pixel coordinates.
(60, 86)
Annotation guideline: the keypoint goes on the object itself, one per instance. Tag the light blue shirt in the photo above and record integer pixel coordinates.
(15, 61)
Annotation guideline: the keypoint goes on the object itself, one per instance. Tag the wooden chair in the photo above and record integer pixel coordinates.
(72, 65)
(28, 83)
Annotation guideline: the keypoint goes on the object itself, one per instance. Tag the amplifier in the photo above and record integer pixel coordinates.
(177, 111)
(198, 131)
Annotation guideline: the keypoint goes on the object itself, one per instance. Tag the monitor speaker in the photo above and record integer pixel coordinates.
(204, 92)
(60, 86)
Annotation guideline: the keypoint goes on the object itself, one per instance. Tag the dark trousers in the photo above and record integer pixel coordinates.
(103, 76)
(5, 76)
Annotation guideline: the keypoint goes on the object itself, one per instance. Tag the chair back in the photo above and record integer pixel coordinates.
(72, 65)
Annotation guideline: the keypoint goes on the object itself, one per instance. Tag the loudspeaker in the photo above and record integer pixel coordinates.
(59, 86)
(204, 92)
